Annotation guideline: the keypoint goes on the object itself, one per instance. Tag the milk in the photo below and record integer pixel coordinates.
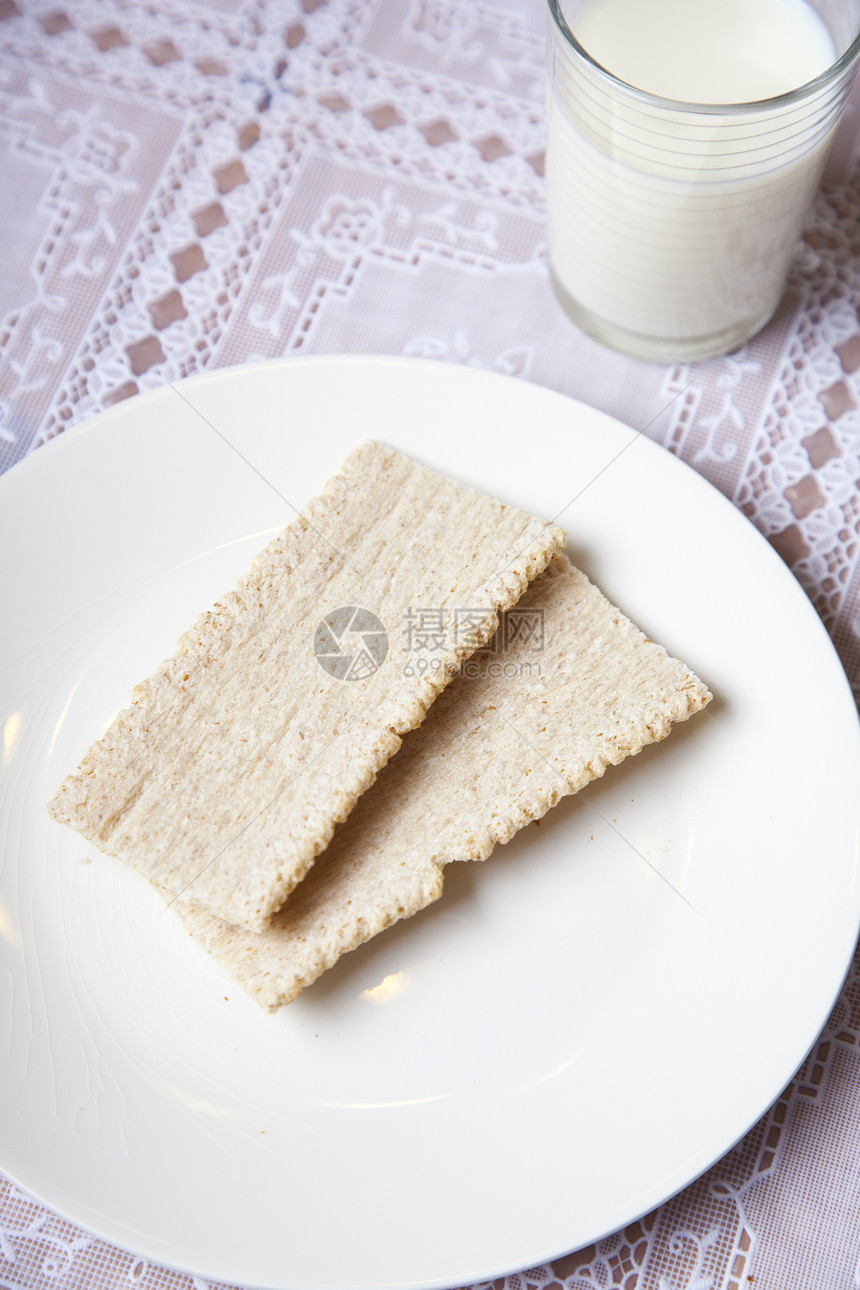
(707, 51)
(671, 226)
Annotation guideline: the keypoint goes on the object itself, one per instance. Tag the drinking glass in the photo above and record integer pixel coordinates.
(671, 225)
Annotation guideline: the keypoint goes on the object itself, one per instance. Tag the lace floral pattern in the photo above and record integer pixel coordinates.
(212, 183)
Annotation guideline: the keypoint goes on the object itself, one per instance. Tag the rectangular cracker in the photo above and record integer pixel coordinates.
(226, 776)
(508, 739)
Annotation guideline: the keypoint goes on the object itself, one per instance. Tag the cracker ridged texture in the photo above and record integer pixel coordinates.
(497, 751)
(226, 776)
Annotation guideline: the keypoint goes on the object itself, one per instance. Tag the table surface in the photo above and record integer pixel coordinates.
(199, 184)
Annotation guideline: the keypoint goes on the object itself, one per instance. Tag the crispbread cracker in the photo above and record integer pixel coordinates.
(226, 777)
(497, 750)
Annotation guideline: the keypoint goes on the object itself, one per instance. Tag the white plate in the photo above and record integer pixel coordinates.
(577, 1029)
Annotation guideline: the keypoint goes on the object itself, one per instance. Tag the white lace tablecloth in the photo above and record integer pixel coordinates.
(186, 184)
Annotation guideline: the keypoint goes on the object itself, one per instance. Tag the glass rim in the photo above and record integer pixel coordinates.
(821, 81)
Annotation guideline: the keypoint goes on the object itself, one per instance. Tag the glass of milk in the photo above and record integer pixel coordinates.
(685, 143)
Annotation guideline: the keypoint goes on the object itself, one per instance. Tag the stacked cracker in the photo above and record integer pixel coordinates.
(243, 778)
